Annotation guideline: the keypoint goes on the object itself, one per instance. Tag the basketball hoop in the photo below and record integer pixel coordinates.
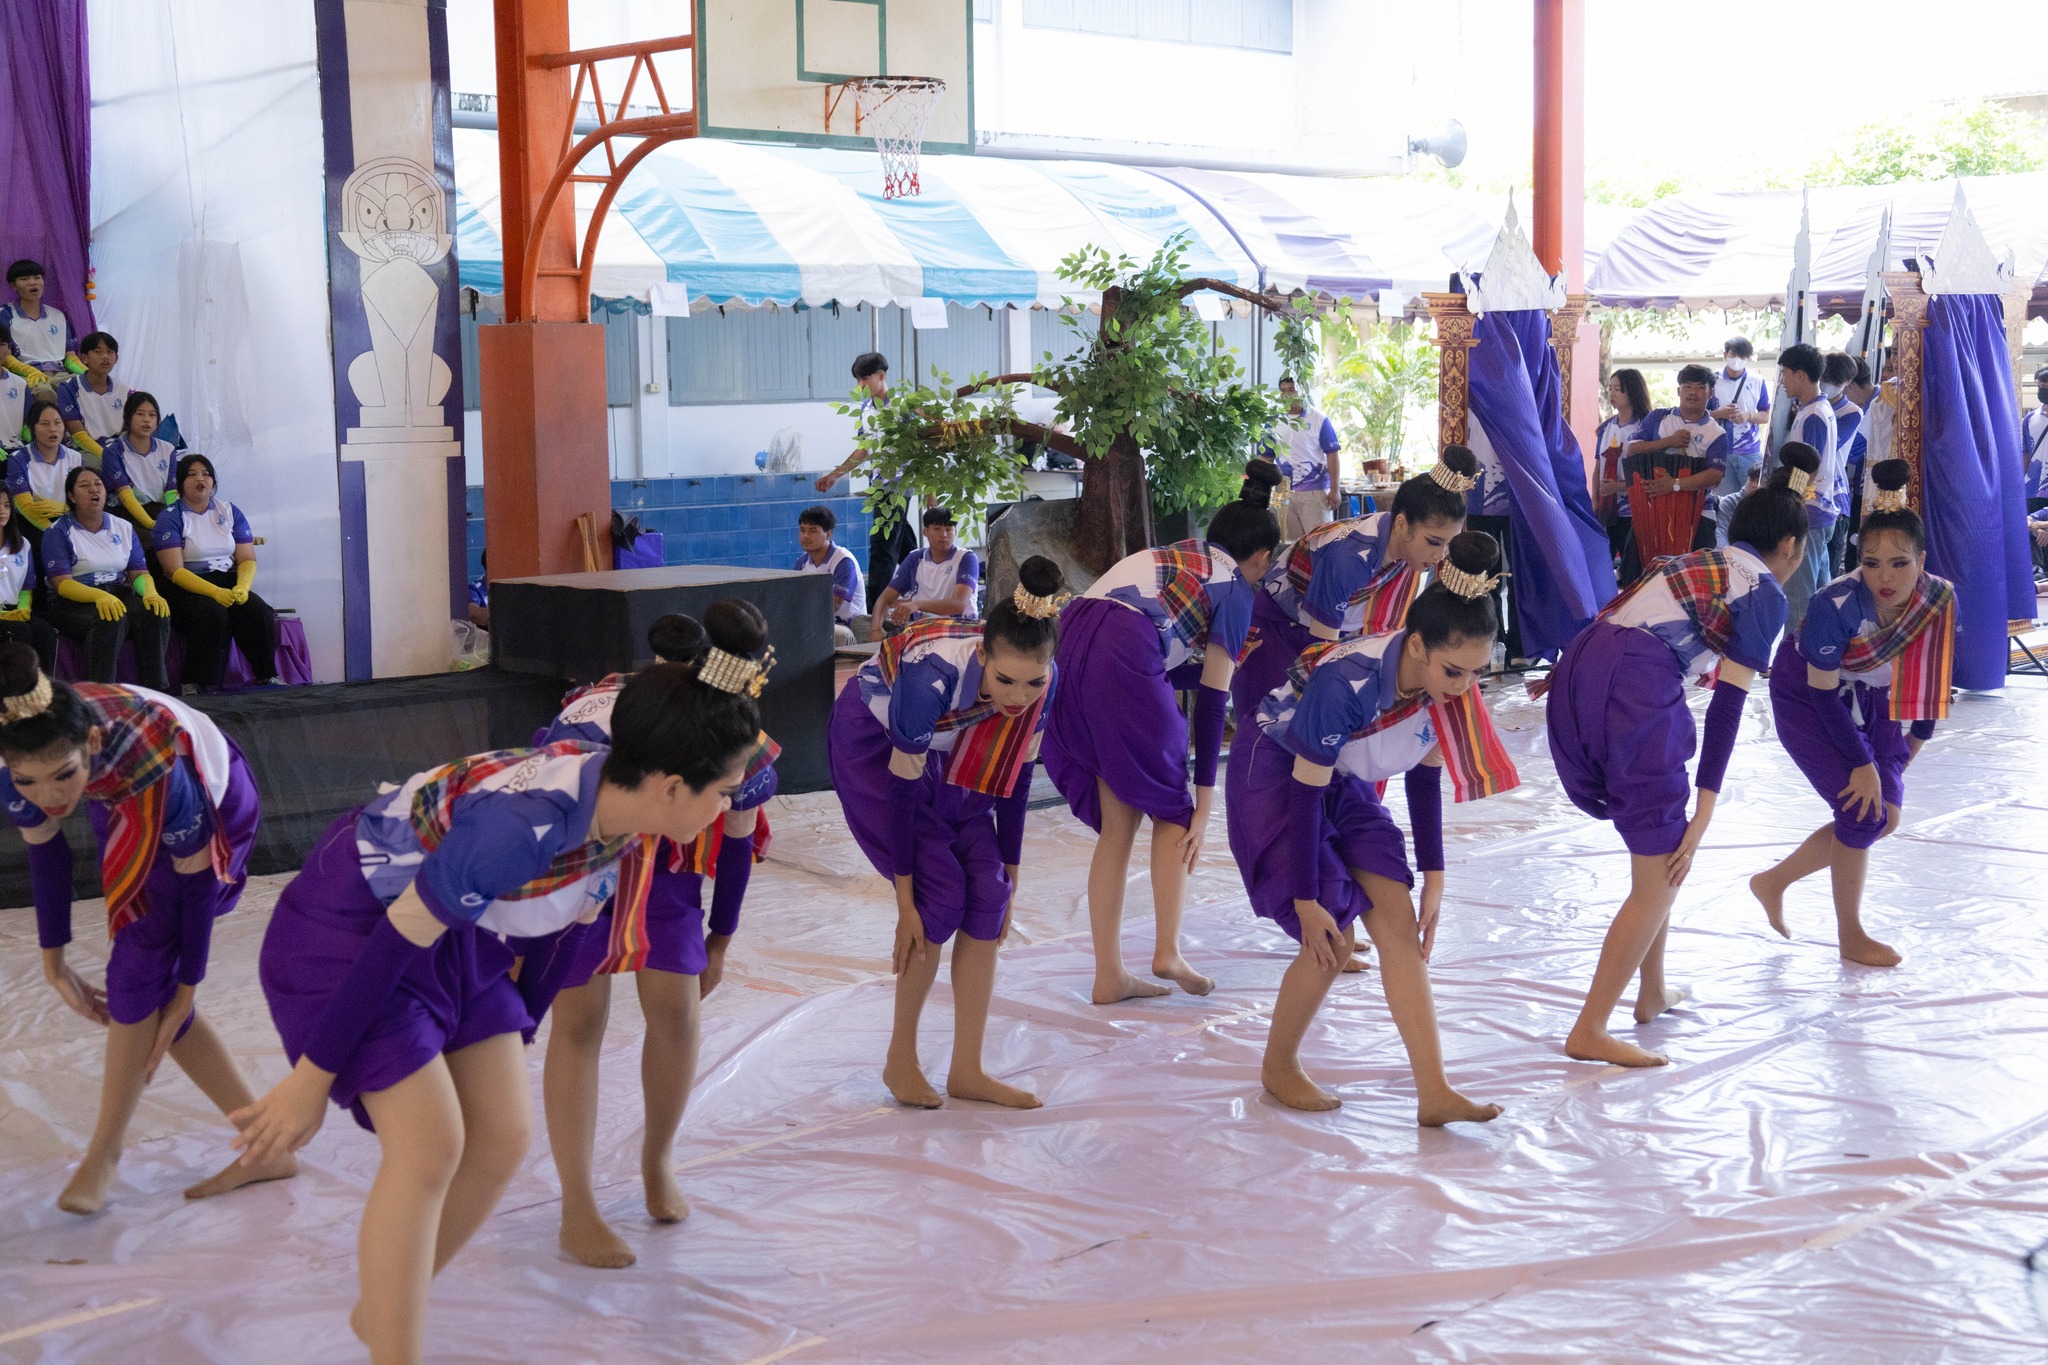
(896, 111)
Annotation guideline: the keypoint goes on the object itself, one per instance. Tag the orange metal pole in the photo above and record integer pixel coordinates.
(534, 99)
(1558, 214)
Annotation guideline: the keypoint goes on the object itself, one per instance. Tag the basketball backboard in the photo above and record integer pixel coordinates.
(765, 68)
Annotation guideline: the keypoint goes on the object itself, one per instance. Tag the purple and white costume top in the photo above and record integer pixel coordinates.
(98, 559)
(1751, 393)
(1756, 605)
(148, 472)
(208, 539)
(1351, 686)
(100, 413)
(44, 340)
(1609, 442)
(1850, 440)
(2034, 445)
(1837, 614)
(849, 591)
(935, 678)
(921, 576)
(43, 478)
(1709, 448)
(1814, 424)
(1344, 556)
(1224, 610)
(14, 400)
(1302, 444)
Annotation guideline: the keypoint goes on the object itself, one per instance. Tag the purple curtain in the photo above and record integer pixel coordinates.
(1971, 476)
(1557, 549)
(46, 147)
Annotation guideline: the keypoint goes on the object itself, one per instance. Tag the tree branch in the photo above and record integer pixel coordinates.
(1050, 437)
(966, 390)
(1271, 302)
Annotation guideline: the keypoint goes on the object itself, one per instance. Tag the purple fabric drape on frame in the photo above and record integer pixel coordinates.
(1558, 549)
(1971, 477)
(46, 147)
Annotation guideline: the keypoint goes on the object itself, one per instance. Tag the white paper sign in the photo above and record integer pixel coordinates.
(926, 314)
(1208, 307)
(669, 299)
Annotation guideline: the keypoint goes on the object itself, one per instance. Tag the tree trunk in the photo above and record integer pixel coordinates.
(1116, 507)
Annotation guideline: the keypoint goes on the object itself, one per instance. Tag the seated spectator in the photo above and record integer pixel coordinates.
(104, 595)
(15, 396)
(36, 473)
(814, 527)
(208, 553)
(137, 465)
(93, 402)
(480, 594)
(19, 577)
(938, 580)
(39, 335)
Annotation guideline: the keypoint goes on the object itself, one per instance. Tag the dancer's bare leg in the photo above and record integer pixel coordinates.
(902, 1072)
(569, 1094)
(1169, 899)
(1851, 867)
(1302, 991)
(419, 1129)
(1108, 872)
(668, 1068)
(1653, 994)
(497, 1125)
(974, 986)
(1770, 885)
(128, 1049)
(1636, 926)
(202, 1055)
(1404, 976)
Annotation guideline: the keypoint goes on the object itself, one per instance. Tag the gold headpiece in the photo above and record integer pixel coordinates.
(1799, 481)
(1450, 479)
(33, 702)
(1465, 584)
(1889, 500)
(734, 673)
(1036, 607)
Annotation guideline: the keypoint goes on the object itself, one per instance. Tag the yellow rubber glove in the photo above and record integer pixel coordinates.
(134, 506)
(87, 445)
(145, 588)
(111, 608)
(73, 363)
(16, 365)
(33, 508)
(199, 587)
(245, 574)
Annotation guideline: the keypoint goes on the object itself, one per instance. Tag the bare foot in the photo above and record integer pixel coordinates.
(1773, 903)
(1649, 1007)
(1128, 988)
(665, 1202)
(1176, 970)
(1291, 1086)
(588, 1238)
(1870, 952)
(907, 1083)
(1358, 962)
(1451, 1107)
(979, 1085)
(1605, 1047)
(237, 1175)
(87, 1189)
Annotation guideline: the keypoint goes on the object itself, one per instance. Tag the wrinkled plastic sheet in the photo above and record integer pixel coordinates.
(1842, 1164)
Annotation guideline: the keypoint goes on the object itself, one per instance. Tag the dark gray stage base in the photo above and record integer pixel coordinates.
(585, 625)
(318, 751)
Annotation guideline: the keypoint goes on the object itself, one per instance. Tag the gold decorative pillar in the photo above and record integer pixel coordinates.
(1909, 322)
(1454, 342)
(1564, 335)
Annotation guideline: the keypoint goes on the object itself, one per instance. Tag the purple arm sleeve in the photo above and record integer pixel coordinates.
(1305, 829)
(49, 873)
(198, 894)
(729, 884)
(904, 845)
(1425, 786)
(1207, 729)
(1010, 819)
(1724, 719)
(354, 1006)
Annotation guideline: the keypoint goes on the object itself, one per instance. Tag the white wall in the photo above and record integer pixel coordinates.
(210, 256)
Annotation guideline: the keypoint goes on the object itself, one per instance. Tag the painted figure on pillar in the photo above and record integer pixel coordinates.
(396, 216)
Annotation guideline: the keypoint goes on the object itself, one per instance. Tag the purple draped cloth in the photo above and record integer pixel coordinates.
(46, 147)
(1558, 550)
(1971, 480)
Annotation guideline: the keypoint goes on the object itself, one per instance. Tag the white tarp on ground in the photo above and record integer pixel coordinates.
(1843, 1164)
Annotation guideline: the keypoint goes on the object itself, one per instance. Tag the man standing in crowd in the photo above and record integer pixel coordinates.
(1305, 446)
(1837, 374)
(2034, 445)
(1742, 404)
(1813, 421)
(886, 549)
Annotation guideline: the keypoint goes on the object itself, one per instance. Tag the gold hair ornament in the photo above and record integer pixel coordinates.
(1451, 480)
(734, 673)
(1465, 584)
(33, 702)
(1036, 607)
(1889, 500)
(1800, 482)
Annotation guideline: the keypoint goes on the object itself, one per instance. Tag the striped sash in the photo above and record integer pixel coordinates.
(1184, 569)
(1473, 754)
(630, 941)
(991, 753)
(1921, 646)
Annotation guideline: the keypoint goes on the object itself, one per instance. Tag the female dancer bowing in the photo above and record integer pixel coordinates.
(1350, 578)
(175, 810)
(1874, 654)
(674, 962)
(1620, 730)
(391, 987)
(1317, 849)
(931, 749)
(1160, 621)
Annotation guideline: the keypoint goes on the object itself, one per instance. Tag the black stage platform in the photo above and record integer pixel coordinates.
(583, 626)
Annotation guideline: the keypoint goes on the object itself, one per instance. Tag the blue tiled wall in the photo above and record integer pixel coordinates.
(744, 519)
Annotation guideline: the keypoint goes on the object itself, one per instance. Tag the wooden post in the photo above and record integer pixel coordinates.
(1909, 322)
(1564, 336)
(1454, 342)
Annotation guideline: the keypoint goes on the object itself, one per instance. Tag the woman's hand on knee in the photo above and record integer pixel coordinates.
(1325, 944)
